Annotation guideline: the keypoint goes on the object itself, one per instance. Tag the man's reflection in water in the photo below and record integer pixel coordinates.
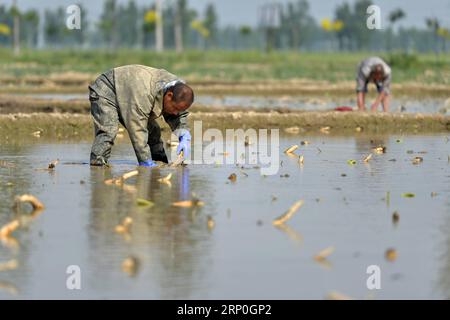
(171, 243)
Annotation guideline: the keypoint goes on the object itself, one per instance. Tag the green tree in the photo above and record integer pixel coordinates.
(108, 24)
(354, 34)
(54, 26)
(362, 33)
(29, 29)
(344, 13)
(394, 16)
(297, 24)
(127, 24)
(210, 24)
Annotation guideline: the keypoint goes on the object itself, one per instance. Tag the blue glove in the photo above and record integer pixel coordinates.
(185, 143)
(148, 163)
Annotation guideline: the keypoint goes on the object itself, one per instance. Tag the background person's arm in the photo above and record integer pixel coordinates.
(377, 101)
(360, 101)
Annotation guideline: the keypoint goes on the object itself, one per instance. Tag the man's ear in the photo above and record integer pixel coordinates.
(169, 95)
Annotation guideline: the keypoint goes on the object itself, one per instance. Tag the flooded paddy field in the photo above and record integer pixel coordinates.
(390, 211)
(317, 102)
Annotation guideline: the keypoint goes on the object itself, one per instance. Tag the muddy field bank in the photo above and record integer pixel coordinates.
(66, 125)
(72, 82)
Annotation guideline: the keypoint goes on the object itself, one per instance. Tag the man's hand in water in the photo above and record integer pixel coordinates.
(185, 144)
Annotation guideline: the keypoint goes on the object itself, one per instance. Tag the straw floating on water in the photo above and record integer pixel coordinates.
(291, 149)
(286, 216)
(144, 203)
(130, 266)
(188, 203)
(9, 228)
(52, 165)
(124, 177)
(9, 265)
(124, 227)
(166, 179)
(367, 158)
(36, 204)
(325, 253)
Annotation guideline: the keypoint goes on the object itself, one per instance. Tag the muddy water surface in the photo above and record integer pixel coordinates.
(243, 255)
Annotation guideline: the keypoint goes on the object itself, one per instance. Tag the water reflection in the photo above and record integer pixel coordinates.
(244, 256)
(172, 244)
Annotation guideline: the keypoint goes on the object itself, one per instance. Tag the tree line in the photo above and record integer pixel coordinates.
(175, 25)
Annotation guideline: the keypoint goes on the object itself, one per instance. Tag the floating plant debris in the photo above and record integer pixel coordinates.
(417, 160)
(395, 217)
(122, 179)
(9, 265)
(52, 165)
(379, 150)
(189, 203)
(211, 223)
(292, 130)
(130, 266)
(28, 198)
(325, 130)
(408, 195)
(286, 216)
(323, 254)
(124, 227)
(232, 177)
(37, 134)
(144, 203)
(291, 149)
(351, 162)
(166, 179)
(390, 254)
(9, 228)
(367, 158)
(304, 143)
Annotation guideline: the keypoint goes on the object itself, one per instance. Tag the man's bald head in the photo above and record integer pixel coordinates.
(378, 72)
(178, 98)
(182, 93)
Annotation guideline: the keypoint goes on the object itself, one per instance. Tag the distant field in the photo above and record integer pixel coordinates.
(226, 65)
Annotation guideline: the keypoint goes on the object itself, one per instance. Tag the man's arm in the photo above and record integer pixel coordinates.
(360, 101)
(137, 130)
(381, 96)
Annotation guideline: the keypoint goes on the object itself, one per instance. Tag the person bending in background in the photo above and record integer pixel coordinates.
(375, 70)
